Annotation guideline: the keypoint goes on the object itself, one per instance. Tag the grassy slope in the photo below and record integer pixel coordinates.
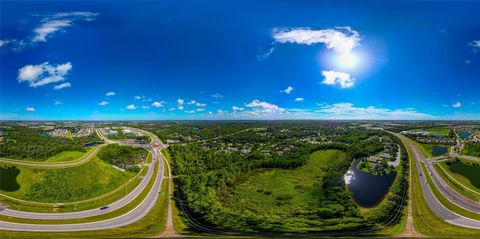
(69, 155)
(445, 202)
(425, 221)
(69, 184)
(457, 183)
(149, 226)
(109, 215)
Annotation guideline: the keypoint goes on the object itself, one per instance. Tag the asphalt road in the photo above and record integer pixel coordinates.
(128, 218)
(437, 208)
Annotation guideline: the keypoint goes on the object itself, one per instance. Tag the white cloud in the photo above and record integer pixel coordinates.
(340, 39)
(49, 25)
(180, 107)
(200, 104)
(475, 45)
(200, 109)
(288, 90)
(131, 107)
(145, 107)
(103, 103)
(43, 74)
(138, 97)
(236, 108)
(299, 99)
(349, 111)
(180, 101)
(110, 93)
(191, 102)
(264, 107)
(158, 104)
(30, 109)
(217, 95)
(57, 102)
(457, 105)
(341, 78)
(63, 85)
(190, 111)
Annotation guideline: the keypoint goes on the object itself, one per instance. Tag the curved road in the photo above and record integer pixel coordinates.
(128, 218)
(437, 208)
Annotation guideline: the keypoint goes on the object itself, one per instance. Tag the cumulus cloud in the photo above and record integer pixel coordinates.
(131, 107)
(191, 102)
(340, 39)
(200, 109)
(57, 102)
(110, 93)
(62, 86)
(217, 96)
(337, 78)
(30, 109)
(138, 97)
(349, 111)
(45, 73)
(457, 105)
(180, 103)
(190, 111)
(200, 104)
(103, 103)
(299, 99)
(236, 108)
(158, 104)
(265, 107)
(48, 26)
(288, 90)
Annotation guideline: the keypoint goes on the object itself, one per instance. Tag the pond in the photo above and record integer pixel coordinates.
(464, 134)
(367, 190)
(92, 144)
(439, 150)
(8, 178)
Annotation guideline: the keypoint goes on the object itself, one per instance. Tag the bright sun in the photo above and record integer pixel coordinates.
(346, 60)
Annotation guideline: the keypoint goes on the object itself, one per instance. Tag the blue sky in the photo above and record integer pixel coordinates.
(239, 60)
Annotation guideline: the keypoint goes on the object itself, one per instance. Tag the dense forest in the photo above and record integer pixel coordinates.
(36, 145)
(472, 149)
(202, 169)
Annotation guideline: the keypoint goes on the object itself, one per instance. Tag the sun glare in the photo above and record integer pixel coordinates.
(347, 60)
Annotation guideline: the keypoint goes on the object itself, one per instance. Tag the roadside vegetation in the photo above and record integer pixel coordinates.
(67, 184)
(33, 144)
(124, 157)
(471, 149)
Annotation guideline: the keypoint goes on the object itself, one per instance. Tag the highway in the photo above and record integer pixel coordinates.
(130, 217)
(437, 208)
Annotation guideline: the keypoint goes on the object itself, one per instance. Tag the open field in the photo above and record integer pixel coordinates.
(69, 155)
(105, 216)
(68, 184)
(282, 192)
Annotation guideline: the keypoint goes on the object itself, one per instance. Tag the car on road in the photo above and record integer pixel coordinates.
(104, 207)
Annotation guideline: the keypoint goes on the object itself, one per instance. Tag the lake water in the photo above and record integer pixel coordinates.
(367, 190)
(439, 150)
(8, 179)
(464, 134)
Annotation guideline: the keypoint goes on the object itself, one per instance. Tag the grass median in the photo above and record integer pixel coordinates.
(456, 184)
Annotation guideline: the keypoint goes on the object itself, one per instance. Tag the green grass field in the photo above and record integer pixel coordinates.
(281, 191)
(68, 184)
(68, 155)
(465, 172)
(443, 131)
